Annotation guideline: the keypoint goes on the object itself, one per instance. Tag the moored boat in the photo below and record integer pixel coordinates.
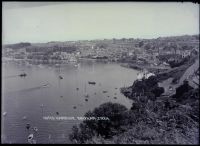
(90, 82)
(105, 91)
(86, 95)
(23, 75)
(60, 77)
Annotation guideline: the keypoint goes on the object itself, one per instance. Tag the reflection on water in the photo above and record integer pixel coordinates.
(41, 93)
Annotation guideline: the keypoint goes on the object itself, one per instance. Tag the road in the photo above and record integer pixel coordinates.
(188, 75)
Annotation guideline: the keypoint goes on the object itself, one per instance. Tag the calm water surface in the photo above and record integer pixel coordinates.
(23, 96)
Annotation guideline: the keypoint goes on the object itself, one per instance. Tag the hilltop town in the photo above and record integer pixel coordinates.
(165, 105)
(160, 53)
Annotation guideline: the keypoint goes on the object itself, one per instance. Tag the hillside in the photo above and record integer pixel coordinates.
(152, 119)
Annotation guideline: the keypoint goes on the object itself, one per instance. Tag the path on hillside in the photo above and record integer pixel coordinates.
(188, 75)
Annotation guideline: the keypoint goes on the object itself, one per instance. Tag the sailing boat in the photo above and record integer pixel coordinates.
(23, 75)
(77, 88)
(86, 95)
(92, 82)
(60, 77)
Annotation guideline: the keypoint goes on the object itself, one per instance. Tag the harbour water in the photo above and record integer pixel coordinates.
(42, 93)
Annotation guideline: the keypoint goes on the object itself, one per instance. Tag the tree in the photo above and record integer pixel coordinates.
(141, 44)
(151, 81)
(181, 90)
(147, 47)
(117, 114)
(157, 91)
(139, 87)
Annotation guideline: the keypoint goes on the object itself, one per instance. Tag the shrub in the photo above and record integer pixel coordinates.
(157, 91)
(151, 81)
(181, 90)
(118, 117)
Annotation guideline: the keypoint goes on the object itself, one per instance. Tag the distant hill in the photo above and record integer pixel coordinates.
(18, 45)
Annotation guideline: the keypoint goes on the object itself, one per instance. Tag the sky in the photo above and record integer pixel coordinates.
(70, 21)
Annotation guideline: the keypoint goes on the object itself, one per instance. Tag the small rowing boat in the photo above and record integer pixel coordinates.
(23, 75)
(93, 83)
(30, 137)
(60, 77)
(35, 129)
(105, 91)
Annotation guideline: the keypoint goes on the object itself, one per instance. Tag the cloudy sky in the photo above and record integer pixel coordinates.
(63, 21)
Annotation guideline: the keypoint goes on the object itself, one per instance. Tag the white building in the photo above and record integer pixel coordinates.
(144, 75)
(185, 54)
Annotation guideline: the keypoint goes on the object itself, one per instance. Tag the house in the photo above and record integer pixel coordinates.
(185, 53)
(144, 75)
(166, 64)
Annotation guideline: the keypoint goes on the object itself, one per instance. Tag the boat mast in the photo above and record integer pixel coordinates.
(60, 59)
(59, 76)
(85, 87)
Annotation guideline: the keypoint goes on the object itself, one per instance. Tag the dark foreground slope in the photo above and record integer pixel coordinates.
(152, 119)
